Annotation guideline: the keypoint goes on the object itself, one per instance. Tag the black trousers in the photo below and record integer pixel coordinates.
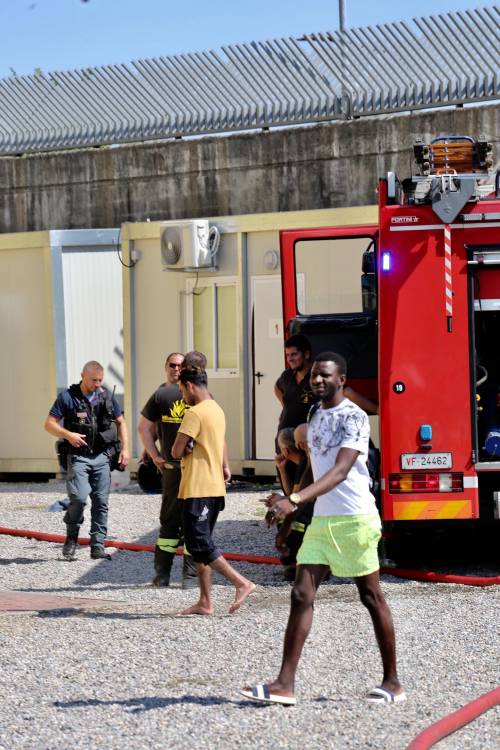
(170, 534)
(171, 506)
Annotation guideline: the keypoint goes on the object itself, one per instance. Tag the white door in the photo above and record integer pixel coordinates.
(268, 360)
(93, 312)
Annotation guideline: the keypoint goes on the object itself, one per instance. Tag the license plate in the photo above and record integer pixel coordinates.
(426, 461)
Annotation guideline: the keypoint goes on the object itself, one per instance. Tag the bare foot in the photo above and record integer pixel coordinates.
(196, 609)
(240, 596)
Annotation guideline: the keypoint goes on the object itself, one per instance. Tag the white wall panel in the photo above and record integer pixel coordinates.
(93, 311)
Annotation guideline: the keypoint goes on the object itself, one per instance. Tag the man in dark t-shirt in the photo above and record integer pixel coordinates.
(293, 389)
(160, 420)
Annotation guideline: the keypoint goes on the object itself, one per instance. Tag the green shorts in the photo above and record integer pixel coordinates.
(345, 544)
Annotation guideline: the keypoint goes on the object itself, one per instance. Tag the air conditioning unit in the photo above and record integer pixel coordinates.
(186, 244)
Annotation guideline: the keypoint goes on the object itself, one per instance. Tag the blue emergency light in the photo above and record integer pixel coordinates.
(425, 432)
(386, 261)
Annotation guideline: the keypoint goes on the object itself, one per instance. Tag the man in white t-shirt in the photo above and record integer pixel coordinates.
(343, 535)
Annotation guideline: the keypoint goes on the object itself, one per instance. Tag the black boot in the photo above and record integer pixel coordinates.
(69, 548)
(189, 573)
(97, 552)
(163, 568)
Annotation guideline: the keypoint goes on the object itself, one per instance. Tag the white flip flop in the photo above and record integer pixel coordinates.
(262, 694)
(383, 695)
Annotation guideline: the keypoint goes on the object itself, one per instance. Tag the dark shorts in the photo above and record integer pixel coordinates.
(198, 517)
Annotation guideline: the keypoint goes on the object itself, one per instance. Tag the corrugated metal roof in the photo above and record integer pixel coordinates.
(436, 61)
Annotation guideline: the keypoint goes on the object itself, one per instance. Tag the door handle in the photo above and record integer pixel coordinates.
(258, 375)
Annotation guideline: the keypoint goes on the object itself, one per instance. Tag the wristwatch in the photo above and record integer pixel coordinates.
(294, 498)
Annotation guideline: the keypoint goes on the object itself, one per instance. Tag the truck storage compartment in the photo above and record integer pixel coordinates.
(487, 373)
(484, 265)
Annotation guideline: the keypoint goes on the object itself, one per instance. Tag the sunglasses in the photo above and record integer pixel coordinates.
(173, 366)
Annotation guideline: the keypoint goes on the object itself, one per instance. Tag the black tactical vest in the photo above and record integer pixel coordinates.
(96, 421)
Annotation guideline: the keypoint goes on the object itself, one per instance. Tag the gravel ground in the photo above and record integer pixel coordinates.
(131, 675)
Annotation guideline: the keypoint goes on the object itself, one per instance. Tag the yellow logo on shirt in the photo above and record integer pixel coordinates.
(177, 411)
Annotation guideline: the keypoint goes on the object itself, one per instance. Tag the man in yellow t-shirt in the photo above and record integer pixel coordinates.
(200, 442)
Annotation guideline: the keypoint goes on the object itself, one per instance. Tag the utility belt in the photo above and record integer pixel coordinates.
(85, 452)
(65, 449)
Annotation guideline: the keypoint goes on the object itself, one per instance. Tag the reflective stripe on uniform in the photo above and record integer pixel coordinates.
(167, 545)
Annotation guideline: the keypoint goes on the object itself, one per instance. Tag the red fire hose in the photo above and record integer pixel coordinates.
(430, 577)
(414, 575)
(449, 724)
(41, 536)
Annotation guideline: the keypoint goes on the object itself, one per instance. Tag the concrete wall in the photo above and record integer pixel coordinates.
(321, 166)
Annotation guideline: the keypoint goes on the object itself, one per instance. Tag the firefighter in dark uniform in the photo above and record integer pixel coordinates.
(90, 423)
(160, 419)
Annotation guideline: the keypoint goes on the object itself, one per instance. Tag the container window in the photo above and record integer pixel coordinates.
(212, 316)
(227, 355)
(203, 323)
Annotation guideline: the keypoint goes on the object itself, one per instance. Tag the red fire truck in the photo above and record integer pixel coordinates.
(426, 341)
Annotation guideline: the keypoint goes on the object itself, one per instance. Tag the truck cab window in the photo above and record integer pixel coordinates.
(331, 274)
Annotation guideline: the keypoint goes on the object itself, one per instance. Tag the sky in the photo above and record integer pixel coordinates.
(54, 35)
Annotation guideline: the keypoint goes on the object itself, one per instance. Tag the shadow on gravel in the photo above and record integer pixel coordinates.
(21, 561)
(150, 703)
(74, 612)
(77, 590)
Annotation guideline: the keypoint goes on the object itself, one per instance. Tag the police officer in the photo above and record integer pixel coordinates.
(89, 420)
